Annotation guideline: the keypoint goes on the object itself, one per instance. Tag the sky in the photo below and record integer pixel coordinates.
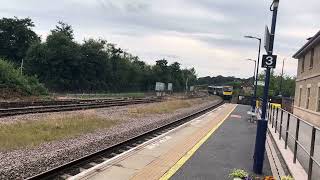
(204, 34)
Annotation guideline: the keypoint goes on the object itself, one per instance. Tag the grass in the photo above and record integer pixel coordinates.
(32, 133)
(164, 107)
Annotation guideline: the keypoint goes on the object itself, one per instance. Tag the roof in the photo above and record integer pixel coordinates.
(310, 44)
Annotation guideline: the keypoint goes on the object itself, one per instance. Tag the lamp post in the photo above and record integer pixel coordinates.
(254, 78)
(257, 73)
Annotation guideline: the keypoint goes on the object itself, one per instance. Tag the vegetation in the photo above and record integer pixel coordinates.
(95, 65)
(287, 87)
(238, 173)
(12, 82)
(287, 178)
(221, 80)
(16, 37)
(32, 133)
(64, 65)
(163, 107)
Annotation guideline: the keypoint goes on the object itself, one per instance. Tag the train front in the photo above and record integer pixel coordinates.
(227, 92)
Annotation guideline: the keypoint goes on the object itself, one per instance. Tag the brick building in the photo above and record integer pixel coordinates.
(307, 94)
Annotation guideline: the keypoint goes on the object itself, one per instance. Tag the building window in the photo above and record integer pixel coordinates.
(311, 58)
(318, 100)
(308, 98)
(300, 94)
(302, 64)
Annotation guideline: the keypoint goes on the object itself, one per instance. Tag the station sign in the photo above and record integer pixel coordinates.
(170, 87)
(269, 61)
(160, 86)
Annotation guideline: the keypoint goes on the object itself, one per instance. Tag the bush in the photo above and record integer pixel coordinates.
(11, 81)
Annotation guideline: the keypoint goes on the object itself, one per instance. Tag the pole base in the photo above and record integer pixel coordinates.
(260, 147)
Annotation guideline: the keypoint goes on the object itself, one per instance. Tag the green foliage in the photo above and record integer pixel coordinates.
(64, 65)
(287, 178)
(16, 37)
(287, 88)
(221, 80)
(12, 81)
(238, 173)
(94, 66)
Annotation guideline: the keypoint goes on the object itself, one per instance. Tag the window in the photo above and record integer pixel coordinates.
(300, 93)
(308, 98)
(318, 100)
(311, 58)
(302, 64)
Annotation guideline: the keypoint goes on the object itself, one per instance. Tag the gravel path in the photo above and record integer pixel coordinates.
(19, 164)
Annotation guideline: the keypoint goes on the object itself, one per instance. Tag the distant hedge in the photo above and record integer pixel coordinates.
(13, 83)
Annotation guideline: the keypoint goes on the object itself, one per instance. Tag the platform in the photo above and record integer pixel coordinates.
(208, 147)
(231, 146)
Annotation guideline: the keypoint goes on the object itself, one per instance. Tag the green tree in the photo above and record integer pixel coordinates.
(56, 61)
(16, 36)
(287, 87)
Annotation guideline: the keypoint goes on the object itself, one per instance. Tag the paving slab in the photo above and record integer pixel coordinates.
(231, 146)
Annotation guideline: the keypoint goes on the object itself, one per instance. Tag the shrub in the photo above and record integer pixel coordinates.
(11, 81)
(238, 173)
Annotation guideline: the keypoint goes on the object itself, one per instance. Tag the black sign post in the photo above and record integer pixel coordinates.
(269, 61)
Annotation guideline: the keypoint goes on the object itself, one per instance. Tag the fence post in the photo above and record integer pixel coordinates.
(281, 119)
(269, 113)
(313, 138)
(275, 129)
(287, 132)
(272, 117)
(296, 141)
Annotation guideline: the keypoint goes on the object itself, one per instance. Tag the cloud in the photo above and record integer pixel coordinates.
(204, 34)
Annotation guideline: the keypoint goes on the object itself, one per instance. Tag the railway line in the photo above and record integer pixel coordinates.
(12, 109)
(78, 165)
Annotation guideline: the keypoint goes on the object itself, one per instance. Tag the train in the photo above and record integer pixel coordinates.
(225, 92)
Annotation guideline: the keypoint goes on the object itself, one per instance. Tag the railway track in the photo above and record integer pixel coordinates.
(76, 166)
(5, 105)
(78, 105)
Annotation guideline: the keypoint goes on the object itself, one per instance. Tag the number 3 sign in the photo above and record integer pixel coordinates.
(269, 61)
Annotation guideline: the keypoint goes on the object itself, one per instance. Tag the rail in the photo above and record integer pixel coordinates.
(300, 136)
(71, 107)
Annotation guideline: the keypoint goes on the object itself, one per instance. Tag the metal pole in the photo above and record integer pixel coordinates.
(257, 73)
(253, 81)
(263, 124)
(280, 92)
(313, 139)
(253, 105)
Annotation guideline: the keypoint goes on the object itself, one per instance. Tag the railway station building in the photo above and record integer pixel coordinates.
(307, 92)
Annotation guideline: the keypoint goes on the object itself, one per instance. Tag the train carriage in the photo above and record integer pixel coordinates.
(225, 92)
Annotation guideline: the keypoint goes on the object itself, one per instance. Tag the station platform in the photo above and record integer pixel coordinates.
(208, 147)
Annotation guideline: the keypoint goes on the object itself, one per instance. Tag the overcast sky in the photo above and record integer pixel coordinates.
(205, 34)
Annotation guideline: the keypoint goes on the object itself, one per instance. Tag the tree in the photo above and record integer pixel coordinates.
(64, 65)
(63, 28)
(16, 36)
(56, 61)
(288, 85)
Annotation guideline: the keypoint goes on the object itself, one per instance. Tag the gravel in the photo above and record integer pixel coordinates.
(23, 163)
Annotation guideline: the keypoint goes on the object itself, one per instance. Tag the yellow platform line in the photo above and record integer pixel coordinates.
(184, 159)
